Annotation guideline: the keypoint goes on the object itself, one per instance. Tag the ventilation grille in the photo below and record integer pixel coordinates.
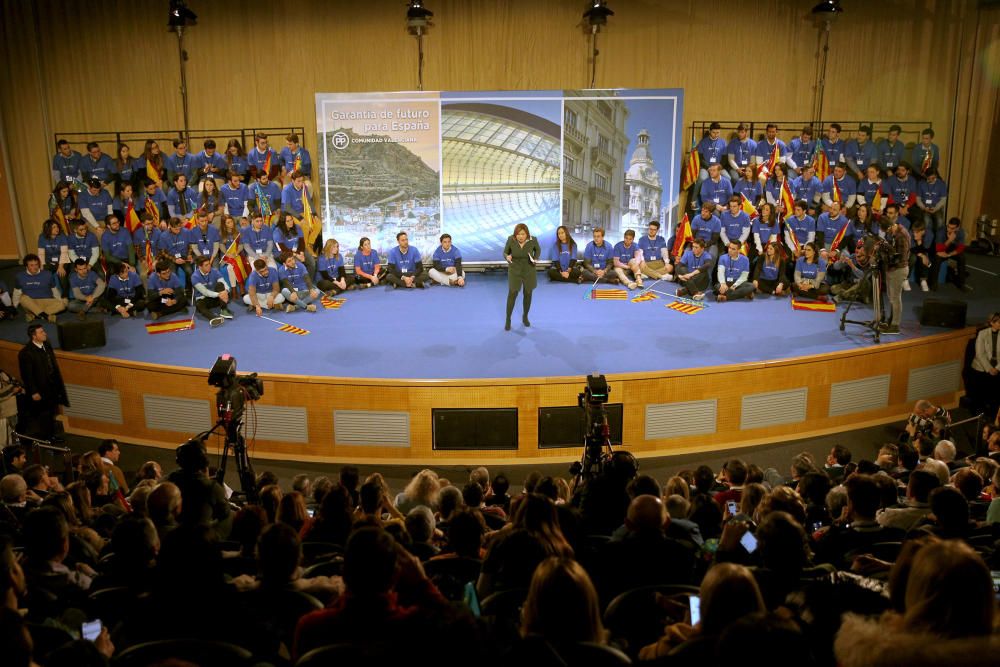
(773, 408)
(184, 415)
(669, 420)
(859, 395)
(935, 380)
(282, 424)
(371, 429)
(103, 405)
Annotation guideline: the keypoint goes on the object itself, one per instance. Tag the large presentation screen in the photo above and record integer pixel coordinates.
(475, 164)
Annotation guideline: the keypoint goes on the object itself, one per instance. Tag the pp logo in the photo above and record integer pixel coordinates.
(341, 140)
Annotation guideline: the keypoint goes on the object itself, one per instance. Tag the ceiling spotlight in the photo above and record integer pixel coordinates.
(828, 7)
(180, 16)
(418, 16)
(597, 14)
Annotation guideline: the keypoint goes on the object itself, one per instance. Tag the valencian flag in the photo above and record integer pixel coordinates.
(786, 198)
(150, 262)
(839, 238)
(237, 261)
(768, 167)
(682, 237)
(131, 218)
(748, 207)
(154, 210)
(692, 167)
(821, 162)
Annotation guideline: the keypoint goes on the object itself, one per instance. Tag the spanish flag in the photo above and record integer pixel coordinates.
(836, 196)
(683, 236)
(839, 238)
(169, 327)
(768, 167)
(787, 200)
(131, 218)
(821, 162)
(815, 306)
(239, 267)
(60, 217)
(745, 249)
(748, 207)
(297, 165)
(925, 166)
(691, 169)
(153, 173)
(877, 203)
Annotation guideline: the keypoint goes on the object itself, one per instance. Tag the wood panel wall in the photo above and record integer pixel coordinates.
(321, 396)
(112, 64)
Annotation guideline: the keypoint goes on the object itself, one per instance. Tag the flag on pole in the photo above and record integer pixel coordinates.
(153, 174)
(239, 267)
(839, 238)
(745, 249)
(60, 217)
(787, 200)
(748, 207)
(821, 162)
(683, 236)
(877, 203)
(131, 218)
(837, 197)
(692, 167)
(768, 167)
(925, 166)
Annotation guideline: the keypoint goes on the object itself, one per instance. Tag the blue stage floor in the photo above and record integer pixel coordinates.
(445, 333)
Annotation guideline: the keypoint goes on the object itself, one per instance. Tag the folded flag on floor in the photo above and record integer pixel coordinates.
(686, 308)
(332, 304)
(644, 297)
(169, 327)
(819, 306)
(607, 294)
(288, 328)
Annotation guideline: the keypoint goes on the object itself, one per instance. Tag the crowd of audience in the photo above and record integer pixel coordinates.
(879, 561)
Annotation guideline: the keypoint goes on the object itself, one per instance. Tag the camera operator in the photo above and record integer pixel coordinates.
(855, 284)
(896, 266)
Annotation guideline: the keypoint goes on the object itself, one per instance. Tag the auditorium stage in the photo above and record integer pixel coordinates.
(364, 386)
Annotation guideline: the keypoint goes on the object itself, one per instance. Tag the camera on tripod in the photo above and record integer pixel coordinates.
(234, 390)
(597, 434)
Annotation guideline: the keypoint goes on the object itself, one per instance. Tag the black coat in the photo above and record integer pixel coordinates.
(37, 379)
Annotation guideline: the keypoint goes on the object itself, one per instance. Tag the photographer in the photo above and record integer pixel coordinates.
(896, 266)
(855, 284)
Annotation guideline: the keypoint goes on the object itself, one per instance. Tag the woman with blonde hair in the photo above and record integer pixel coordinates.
(677, 486)
(331, 276)
(423, 490)
(562, 605)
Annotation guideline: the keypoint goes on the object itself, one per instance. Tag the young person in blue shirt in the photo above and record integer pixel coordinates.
(154, 202)
(739, 152)
(870, 186)
(174, 245)
(828, 225)
(706, 226)
(447, 261)
(64, 200)
(236, 160)
(862, 224)
(153, 157)
(926, 155)
(82, 244)
(165, 293)
(86, 289)
(766, 149)
(807, 188)
(116, 245)
(262, 290)
(800, 229)
(258, 241)
(932, 199)
(832, 145)
(902, 188)
(564, 268)
(236, 195)
(628, 261)
(126, 295)
(292, 203)
(181, 162)
(53, 248)
(747, 186)
(734, 223)
(265, 198)
(654, 262)
(406, 267)
(295, 158)
(296, 285)
(66, 163)
(204, 239)
(211, 292)
(716, 189)
(765, 229)
(210, 201)
(921, 254)
(96, 164)
(182, 201)
(598, 260)
(331, 277)
(126, 200)
(125, 170)
(263, 160)
(772, 189)
(142, 239)
(891, 151)
(949, 247)
(694, 270)
(209, 163)
(37, 291)
(95, 204)
(838, 187)
(800, 152)
(712, 150)
(368, 270)
(733, 275)
(860, 152)
(810, 274)
(288, 237)
(769, 272)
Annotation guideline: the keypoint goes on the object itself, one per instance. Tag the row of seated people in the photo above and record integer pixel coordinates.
(905, 542)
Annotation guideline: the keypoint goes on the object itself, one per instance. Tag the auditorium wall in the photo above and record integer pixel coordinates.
(112, 64)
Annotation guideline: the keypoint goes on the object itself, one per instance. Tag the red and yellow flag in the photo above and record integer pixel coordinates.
(169, 327)
(748, 207)
(153, 174)
(839, 238)
(683, 236)
(238, 265)
(877, 203)
(787, 200)
(131, 218)
(691, 169)
(821, 162)
(154, 210)
(60, 217)
(815, 306)
(768, 167)
(925, 166)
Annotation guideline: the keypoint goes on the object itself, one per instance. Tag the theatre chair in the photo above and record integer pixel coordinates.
(503, 610)
(353, 654)
(450, 575)
(535, 651)
(334, 567)
(281, 609)
(197, 651)
(314, 552)
(637, 617)
(111, 605)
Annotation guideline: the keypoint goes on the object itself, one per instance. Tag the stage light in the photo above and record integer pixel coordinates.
(180, 16)
(828, 9)
(418, 16)
(598, 13)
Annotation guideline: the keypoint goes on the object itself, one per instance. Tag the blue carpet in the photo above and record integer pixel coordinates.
(458, 333)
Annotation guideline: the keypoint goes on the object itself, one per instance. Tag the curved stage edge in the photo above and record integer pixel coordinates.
(814, 395)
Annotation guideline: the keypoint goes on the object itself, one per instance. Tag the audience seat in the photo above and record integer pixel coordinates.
(111, 605)
(636, 616)
(451, 575)
(384, 653)
(314, 552)
(535, 651)
(281, 609)
(197, 651)
(334, 567)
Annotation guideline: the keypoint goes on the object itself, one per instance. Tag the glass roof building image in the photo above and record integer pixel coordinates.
(500, 167)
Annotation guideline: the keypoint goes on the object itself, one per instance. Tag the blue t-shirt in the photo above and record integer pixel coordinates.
(102, 168)
(447, 259)
(235, 199)
(291, 243)
(180, 164)
(801, 152)
(209, 280)
(126, 289)
(203, 240)
(236, 164)
(763, 151)
(141, 236)
(742, 151)
(267, 198)
(734, 268)
(156, 283)
(260, 283)
(703, 229)
(846, 186)
(765, 231)
(52, 247)
(808, 270)
(291, 199)
(735, 225)
(834, 150)
(99, 205)
(86, 284)
(367, 262)
(830, 227)
(806, 189)
(749, 189)
(921, 152)
(329, 264)
(890, 155)
(203, 160)
(189, 196)
(598, 255)
(932, 193)
(257, 240)
(801, 227)
(126, 171)
(82, 246)
(116, 244)
(288, 160)
(692, 261)
(711, 150)
(68, 166)
(38, 285)
(408, 262)
(717, 193)
(859, 156)
(258, 159)
(626, 254)
(562, 254)
(769, 271)
(175, 245)
(651, 248)
(900, 191)
(296, 276)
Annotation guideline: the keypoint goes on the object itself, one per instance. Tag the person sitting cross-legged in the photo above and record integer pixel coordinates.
(166, 291)
(296, 285)
(447, 269)
(36, 290)
(126, 295)
(694, 270)
(86, 290)
(210, 292)
(262, 290)
(734, 271)
(406, 267)
(810, 272)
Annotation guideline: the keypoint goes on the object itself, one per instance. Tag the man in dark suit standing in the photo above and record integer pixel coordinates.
(44, 390)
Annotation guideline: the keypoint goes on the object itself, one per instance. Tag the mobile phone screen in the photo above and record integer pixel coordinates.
(695, 602)
(749, 542)
(472, 598)
(91, 630)
(731, 505)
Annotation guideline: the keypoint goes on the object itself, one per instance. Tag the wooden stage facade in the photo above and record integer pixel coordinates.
(335, 420)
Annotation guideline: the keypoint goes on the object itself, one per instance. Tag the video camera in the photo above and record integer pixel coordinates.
(592, 401)
(234, 390)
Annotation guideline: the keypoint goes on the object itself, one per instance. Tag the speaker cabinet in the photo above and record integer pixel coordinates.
(82, 335)
(468, 428)
(948, 313)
